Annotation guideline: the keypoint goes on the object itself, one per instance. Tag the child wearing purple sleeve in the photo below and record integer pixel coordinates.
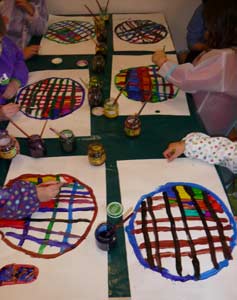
(13, 73)
(23, 198)
(25, 18)
(212, 77)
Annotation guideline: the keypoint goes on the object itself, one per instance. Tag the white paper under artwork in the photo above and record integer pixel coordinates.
(68, 35)
(141, 32)
(139, 78)
(140, 182)
(57, 96)
(79, 270)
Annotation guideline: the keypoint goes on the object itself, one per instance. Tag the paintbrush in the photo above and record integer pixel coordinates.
(42, 131)
(120, 93)
(83, 81)
(91, 13)
(59, 134)
(98, 3)
(19, 128)
(107, 4)
(127, 215)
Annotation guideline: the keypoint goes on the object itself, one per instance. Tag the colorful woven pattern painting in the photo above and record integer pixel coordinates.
(18, 274)
(51, 98)
(144, 84)
(183, 231)
(70, 32)
(141, 31)
(59, 225)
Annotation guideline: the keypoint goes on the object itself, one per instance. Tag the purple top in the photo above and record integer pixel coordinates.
(12, 66)
(18, 201)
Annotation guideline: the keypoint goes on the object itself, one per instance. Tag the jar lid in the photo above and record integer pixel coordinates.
(115, 210)
(97, 111)
(56, 60)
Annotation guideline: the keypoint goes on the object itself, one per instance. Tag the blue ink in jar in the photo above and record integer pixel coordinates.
(105, 236)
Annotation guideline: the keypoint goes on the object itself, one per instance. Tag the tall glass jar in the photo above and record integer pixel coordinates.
(8, 148)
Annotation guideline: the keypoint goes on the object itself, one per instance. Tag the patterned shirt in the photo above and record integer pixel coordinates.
(22, 26)
(18, 201)
(214, 150)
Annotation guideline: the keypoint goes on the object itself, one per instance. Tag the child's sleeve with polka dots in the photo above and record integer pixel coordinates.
(18, 201)
(214, 150)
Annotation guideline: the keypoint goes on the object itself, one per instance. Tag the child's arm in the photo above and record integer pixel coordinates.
(18, 201)
(23, 198)
(208, 75)
(7, 111)
(214, 150)
(37, 15)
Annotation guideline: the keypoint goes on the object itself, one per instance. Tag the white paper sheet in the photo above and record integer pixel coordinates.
(123, 45)
(78, 121)
(78, 274)
(139, 177)
(48, 47)
(176, 106)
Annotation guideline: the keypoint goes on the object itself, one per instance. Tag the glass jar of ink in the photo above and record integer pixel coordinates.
(132, 126)
(98, 63)
(36, 146)
(96, 154)
(105, 236)
(67, 140)
(100, 30)
(8, 148)
(102, 49)
(95, 95)
(111, 108)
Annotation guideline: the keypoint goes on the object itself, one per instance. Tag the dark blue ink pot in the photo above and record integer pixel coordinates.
(105, 236)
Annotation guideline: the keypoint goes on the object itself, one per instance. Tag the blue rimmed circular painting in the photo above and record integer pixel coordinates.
(182, 231)
(51, 98)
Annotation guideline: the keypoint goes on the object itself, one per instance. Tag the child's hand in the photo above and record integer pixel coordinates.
(30, 51)
(159, 58)
(7, 111)
(174, 150)
(11, 89)
(48, 190)
(26, 6)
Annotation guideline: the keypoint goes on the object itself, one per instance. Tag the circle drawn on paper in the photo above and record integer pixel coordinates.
(182, 231)
(144, 84)
(70, 32)
(51, 98)
(141, 31)
(59, 225)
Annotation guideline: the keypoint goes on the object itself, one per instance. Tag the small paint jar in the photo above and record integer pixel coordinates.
(96, 154)
(105, 236)
(114, 210)
(98, 63)
(111, 108)
(102, 49)
(8, 148)
(36, 146)
(95, 96)
(132, 126)
(100, 30)
(67, 140)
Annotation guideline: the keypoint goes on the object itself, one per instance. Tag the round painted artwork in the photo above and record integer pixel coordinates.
(70, 32)
(141, 31)
(183, 231)
(144, 84)
(51, 98)
(59, 225)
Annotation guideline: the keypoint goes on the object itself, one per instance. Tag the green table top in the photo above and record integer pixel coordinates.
(157, 132)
